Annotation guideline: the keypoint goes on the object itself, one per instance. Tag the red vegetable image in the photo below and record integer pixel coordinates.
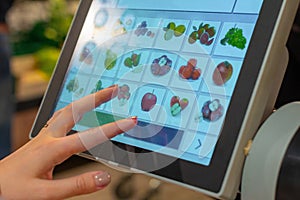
(190, 71)
(161, 66)
(211, 111)
(148, 101)
(222, 73)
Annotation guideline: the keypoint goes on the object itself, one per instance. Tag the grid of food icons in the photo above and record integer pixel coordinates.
(175, 73)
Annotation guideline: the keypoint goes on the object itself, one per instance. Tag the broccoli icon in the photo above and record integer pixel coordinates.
(235, 38)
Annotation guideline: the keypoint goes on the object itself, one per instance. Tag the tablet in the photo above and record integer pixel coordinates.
(200, 75)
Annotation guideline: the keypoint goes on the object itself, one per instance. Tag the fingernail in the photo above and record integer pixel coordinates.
(112, 86)
(135, 119)
(102, 179)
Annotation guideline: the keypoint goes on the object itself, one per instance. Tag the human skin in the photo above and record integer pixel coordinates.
(28, 172)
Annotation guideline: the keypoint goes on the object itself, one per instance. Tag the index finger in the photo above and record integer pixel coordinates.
(82, 141)
(65, 119)
(88, 139)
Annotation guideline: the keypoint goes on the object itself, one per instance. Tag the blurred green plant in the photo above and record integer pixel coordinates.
(45, 38)
(46, 59)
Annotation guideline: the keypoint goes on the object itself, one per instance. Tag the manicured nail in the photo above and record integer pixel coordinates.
(135, 119)
(102, 179)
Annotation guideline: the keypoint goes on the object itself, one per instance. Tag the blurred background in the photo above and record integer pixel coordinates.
(37, 30)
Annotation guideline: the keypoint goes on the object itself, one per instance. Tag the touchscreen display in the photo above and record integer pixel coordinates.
(176, 64)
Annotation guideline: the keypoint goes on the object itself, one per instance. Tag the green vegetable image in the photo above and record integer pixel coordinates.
(133, 60)
(235, 38)
(111, 60)
(128, 62)
(171, 26)
(169, 34)
(175, 109)
(98, 87)
(179, 30)
(73, 85)
(173, 30)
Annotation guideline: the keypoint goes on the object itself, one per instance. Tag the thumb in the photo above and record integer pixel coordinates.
(78, 185)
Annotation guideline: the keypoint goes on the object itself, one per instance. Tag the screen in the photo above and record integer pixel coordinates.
(176, 64)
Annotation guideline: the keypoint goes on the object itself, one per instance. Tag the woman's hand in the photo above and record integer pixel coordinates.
(28, 172)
